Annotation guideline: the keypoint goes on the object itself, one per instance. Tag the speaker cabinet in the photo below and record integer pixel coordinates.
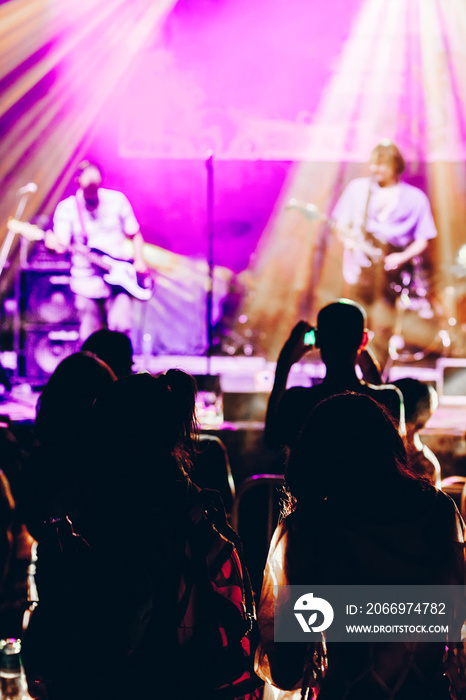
(45, 348)
(49, 322)
(46, 297)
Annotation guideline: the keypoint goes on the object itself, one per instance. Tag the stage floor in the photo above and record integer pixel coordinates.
(249, 375)
(246, 383)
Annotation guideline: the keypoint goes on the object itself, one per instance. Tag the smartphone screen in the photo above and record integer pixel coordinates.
(310, 337)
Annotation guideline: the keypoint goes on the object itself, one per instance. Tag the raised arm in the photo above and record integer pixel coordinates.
(292, 351)
(369, 366)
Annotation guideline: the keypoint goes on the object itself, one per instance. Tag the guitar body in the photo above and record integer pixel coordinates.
(118, 273)
(121, 273)
(364, 256)
(410, 278)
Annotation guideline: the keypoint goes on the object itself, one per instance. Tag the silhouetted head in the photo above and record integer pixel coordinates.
(64, 405)
(341, 330)
(348, 447)
(142, 429)
(420, 401)
(142, 419)
(114, 348)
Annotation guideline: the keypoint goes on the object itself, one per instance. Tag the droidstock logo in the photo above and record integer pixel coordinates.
(308, 604)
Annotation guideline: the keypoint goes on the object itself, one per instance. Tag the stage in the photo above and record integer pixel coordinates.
(245, 384)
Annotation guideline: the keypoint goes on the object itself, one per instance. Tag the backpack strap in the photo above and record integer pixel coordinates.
(212, 507)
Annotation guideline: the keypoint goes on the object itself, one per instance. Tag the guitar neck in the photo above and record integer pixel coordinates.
(351, 238)
(334, 225)
(95, 258)
(29, 231)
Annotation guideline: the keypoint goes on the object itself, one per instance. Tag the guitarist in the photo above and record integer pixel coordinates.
(396, 218)
(101, 219)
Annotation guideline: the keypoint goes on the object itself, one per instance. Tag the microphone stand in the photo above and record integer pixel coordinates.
(4, 253)
(209, 389)
(210, 256)
(9, 238)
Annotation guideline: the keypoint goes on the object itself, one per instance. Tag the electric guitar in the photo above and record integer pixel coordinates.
(352, 238)
(362, 249)
(118, 273)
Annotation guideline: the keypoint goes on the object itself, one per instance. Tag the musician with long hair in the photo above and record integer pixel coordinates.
(396, 219)
(99, 219)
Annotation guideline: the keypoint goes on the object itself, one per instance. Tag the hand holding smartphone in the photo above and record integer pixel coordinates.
(310, 338)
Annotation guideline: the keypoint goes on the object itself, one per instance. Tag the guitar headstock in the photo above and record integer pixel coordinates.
(310, 211)
(29, 231)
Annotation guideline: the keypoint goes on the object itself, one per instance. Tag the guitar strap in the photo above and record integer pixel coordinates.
(84, 236)
(133, 288)
(366, 209)
(370, 281)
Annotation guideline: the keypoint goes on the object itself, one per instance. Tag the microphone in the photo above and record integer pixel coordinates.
(209, 159)
(30, 188)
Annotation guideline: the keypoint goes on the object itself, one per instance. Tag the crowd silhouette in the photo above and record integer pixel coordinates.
(118, 566)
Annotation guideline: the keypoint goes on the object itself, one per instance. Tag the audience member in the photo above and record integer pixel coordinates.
(7, 510)
(114, 348)
(357, 515)
(11, 455)
(420, 400)
(16, 546)
(55, 472)
(209, 465)
(342, 339)
(211, 468)
(117, 612)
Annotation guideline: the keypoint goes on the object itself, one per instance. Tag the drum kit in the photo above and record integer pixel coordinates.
(431, 323)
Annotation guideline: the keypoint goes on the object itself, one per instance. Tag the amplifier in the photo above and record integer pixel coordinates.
(46, 297)
(45, 347)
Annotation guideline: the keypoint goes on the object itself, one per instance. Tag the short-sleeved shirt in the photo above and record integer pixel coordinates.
(298, 402)
(106, 229)
(397, 215)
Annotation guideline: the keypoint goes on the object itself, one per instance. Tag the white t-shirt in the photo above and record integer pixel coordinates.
(106, 229)
(396, 215)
